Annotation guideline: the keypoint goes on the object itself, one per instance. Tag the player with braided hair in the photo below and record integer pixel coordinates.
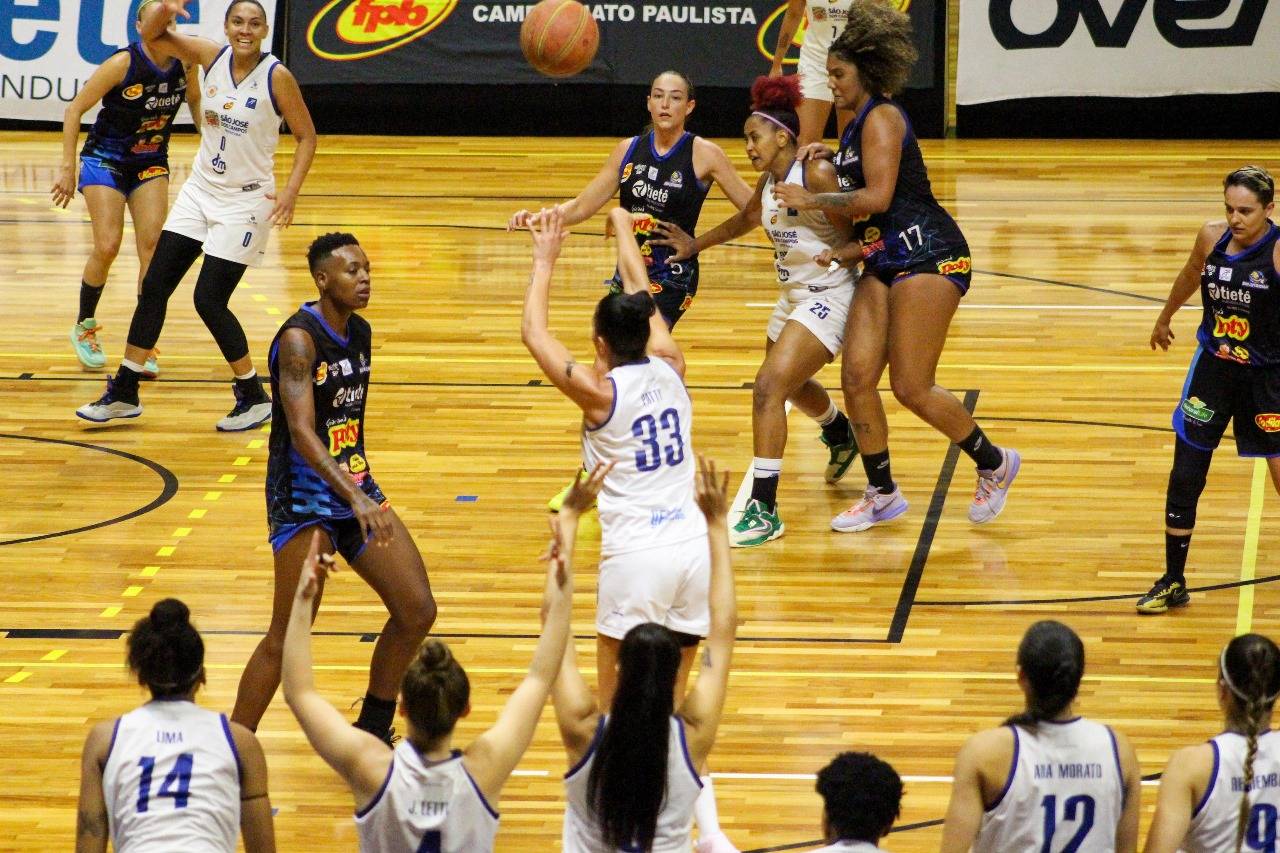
(1225, 794)
(1047, 779)
(806, 329)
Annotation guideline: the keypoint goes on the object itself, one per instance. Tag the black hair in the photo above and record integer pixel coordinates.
(862, 795)
(877, 41)
(325, 245)
(235, 3)
(1255, 179)
(1250, 669)
(623, 321)
(777, 98)
(628, 779)
(436, 691)
(1052, 658)
(165, 651)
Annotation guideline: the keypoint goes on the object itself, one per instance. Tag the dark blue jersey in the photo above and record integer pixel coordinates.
(662, 187)
(340, 383)
(1241, 297)
(137, 115)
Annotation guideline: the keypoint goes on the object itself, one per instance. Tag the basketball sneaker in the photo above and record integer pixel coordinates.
(874, 508)
(993, 488)
(84, 337)
(1165, 594)
(756, 527)
(842, 456)
(116, 403)
(253, 407)
(151, 367)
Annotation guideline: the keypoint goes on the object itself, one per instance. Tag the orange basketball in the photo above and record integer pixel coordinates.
(559, 37)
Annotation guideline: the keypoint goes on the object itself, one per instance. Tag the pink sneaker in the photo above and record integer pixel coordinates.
(989, 497)
(873, 509)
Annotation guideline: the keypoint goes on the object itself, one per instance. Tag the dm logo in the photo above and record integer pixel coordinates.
(356, 29)
(767, 35)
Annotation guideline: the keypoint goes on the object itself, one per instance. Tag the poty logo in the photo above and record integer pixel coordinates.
(356, 29)
(1236, 328)
(957, 266)
(1268, 422)
(346, 434)
(1115, 31)
(771, 28)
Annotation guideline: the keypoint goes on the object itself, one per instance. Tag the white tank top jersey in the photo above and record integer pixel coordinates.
(798, 237)
(675, 820)
(826, 20)
(172, 780)
(850, 847)
(1213, 823)
(647, 499)
(1065, 792)
(240, 127)
(427, 805)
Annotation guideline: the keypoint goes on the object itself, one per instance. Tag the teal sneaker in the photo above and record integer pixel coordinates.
(151, 367)
(756, 527)
(842, 456)
(84, 337)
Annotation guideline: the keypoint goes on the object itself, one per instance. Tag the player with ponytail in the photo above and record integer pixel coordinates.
(1223, 794)
(806, 329)
(171, 771)
(1047, 779)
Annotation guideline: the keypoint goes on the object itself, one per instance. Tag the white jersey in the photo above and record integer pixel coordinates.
(647, 499)
(240, 127)
(1214, 821)
(798, 237)
(172, 780)
(826, 20)
(675, 820)
(1065, 792)
(850, 847)
(427, 805)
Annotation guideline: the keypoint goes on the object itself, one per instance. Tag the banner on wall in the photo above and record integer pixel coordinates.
(1116, 48)
(724, 43)
(49, 48)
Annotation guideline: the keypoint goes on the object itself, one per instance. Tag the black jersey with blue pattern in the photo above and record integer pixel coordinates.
(137, 115)
(1241, 297)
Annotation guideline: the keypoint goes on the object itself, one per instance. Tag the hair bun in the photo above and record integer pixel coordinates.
(435, 656)
(169, 613)
(640, 305)
(776, 93)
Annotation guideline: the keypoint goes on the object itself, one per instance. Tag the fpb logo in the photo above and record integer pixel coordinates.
(771, 28)
(356, 29)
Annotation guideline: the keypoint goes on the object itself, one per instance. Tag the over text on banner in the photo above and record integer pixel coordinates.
(463, 41)
(1116, 48)
(49, 48)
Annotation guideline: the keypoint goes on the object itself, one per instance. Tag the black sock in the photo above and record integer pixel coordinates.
(251, 389)
(878, 472)
(376, 715)
(765, 490)
(980, 449)
(125, 385)
(838, 431)
(89, 297)
(1175, 556)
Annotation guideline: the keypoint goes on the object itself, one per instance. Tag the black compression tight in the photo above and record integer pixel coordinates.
(218, 279)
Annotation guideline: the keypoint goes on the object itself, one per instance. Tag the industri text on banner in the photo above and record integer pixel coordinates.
(1116, 48)
(401, 42)
(49, 48)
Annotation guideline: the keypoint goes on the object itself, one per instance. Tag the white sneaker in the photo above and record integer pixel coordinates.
(993, 488)
(874, 508)
(109, 406)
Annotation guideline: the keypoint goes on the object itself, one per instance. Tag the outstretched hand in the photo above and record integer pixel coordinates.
(548, 232)
(674, 236)
(711, 491)
(1162, 335)
(315, 569)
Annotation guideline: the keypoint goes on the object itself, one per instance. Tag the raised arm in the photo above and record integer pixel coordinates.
(790, 23)
(722, 172)
(91, 810)
(635, 279)
(1176, 801)
(298, 117)
(592, 392)
(193, 97)
(882, 136)
(492, 757)
(361, 759)
(686, 246)
(1186, 283)
(704, 702)
(593, 196)
(256, 826)
(107, 76)
(156, 20)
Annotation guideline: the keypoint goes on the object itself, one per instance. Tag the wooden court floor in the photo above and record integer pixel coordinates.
(899, 640)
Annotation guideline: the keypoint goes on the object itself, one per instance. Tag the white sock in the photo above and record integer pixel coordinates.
(252, 373)
(830, 415)
(705, 811)
(131, 365)
(766, 467)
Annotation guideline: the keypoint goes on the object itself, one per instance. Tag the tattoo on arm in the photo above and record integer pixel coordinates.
(295, 363)
(842, 203)
(91, 825)
(568, 368)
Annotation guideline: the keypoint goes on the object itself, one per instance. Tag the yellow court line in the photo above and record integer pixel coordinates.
(1249, 560)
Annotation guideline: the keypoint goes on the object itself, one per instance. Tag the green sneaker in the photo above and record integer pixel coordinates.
(84, 337)
(842, 456)
(558, 501)
(757, 526)
(1163, 596)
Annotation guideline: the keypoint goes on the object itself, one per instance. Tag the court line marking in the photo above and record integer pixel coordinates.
(1249, 559)
(1001, 306)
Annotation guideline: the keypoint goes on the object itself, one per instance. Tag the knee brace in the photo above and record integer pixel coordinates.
(1186, 482)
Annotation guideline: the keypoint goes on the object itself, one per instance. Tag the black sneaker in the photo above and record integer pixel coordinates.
(253, 408)
(1165, 594)
(115, 403)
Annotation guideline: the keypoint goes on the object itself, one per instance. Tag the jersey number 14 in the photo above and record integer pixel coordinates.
(176, 785)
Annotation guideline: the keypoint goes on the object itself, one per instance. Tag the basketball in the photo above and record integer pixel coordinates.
(559, 37)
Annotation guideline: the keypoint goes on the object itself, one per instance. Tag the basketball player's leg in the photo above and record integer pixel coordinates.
(261, 674)
(396, 572)
(106, 219)
(813, 114)
(148, 206)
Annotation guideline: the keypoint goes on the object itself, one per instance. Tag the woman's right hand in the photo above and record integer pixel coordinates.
(815, 151)
(64, 188)
(1162, 334)
(676, 237)
(711, 491)
(374, 521)
(519, 220)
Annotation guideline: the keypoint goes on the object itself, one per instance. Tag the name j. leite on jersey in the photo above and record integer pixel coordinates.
(1068, 771)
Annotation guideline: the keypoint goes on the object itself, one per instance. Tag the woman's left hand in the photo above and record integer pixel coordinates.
(282, 212)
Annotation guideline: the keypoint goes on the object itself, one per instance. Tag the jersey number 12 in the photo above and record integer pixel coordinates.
(1078, 808)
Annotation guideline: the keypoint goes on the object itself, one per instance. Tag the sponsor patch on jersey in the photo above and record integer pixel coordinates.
(655, 288)
(1211, 269)
(157, 123)
(364, 364)
(343, 435)
(164, 88)
(322, 372)
(1234, 327)
(1224, 273)
(211, 118)
(1194, 408)
(653, 173)
(626, 172)
(211, 91)
(251, 103)
(676, 180)
(133, 92)
(345, 364)
(229, 105)
(871, 235)
(819, 14)
(1257, 280)
(1268, 421)
(152, 172)
(954, 266)
(684, 306)
(356, 464)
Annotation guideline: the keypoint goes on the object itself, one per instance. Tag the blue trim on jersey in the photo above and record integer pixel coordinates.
(231, 742)
(612, 408)
(115, 730)
(378, 796)
(684, 750)
(1013, 769)
(1221, 245)
(595, 741)
(225, 48)
(329, 330)
(231, 70)
(673, 149)
(1213, 779)
(273, 355)
(1115, 751)
(173, 60)
(271, 92)
(490, 809)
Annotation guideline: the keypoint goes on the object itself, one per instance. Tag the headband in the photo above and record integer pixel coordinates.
(1226, 678)
(768, 117)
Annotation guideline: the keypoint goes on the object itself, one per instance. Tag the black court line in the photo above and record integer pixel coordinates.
(1091, 598)
(167, 478)
(916, 570)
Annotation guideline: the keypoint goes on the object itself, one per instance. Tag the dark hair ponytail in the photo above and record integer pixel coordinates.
(775, 99)
(436, 691)
(1052, 658)
(1250, 668)
(628, 778)
(165, 650)
(623, 321)
(1255, 179)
